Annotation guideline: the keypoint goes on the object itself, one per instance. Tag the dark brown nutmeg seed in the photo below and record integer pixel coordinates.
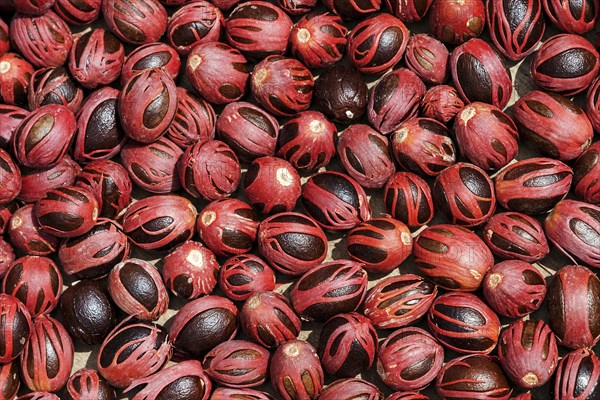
(341, 94)
(88, 384)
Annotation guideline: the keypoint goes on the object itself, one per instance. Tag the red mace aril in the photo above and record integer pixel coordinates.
(592, 104)
(15, 74)
(87, 384)
(29, 7)
(456, 21)
(352, 10)
(195, 120)
(36, 282)
(268, 319)
(442, 103)
(10, 381)
(135, 22)
(137, 288)
(10, 117)
(409, 359)
(453, 257)
(4, 37)
(296, 371)
(479, 73)
(528, 353)
(574, 228)
(349, 388)
(512, 235)
(7, 256)
(464, 323)
(585, 175)
(571, 16)
(237, 363)
(151, 55)
(398, 301)
(74, 14)
(15, 330)
(185, 378)
(47, 358)
(365, 155)
(194, 24)
(578, 376)
(244, 275)
(347, 345)
(190, 270)
(6, 212)
(329, 289)
(427, 57)
(382, 244)
(534, 185)
(10, 178)
(514, 288)
(39, 396)
(26, 235)
(223, 393)
(54, 85)
(407, 198)
(573, 309)
(486, 136)
(407, 396)
(553, 124)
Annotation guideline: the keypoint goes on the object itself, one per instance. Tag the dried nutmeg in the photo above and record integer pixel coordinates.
(329, 289)
(464, 194)
(296, 371)
(479, 73)
(573, 309)
(409, 359)
(553, 124)
(137, 288)
(194, 24)
(244, 275)
(67, 212)
(185, 380)
(237, 363)
(87, 311)
(365, 155)
(160, 222)
(15, 74)
(44, 40)
(423, 146)
(398, 301)
(341, 94)
(585, 175)
(474, 376)
(10, 117)
(516, 29)
(456, 21)
(190, 270)
(15, 330)
(382, 244)
(47, 358)
(133, 350)
(195, 120)
(96, 58)
(528, 353)
(533, 186)
(377, 43)
(202, 324)
(88, 384)
(44, 136)
(147, 105)
(10, 178)
(153, 166)
(486, 136)
(268, 319)
(319, 39)
(514, 288)
(441, 102)
(110, 184)
(26, 235)
(513, 235)
(572, 16)
(335, 201)
(135, 21)
(407, 198)
(565, 64)
(352, 10)
(347, 345)
(272, 185)
(99, 135)
(258, 29)
(151, 55)
(218, 72)
(10, 381)
(282, 85)
(426, 56)
(36, 282)
(78, 12)
(210, 170)
(574, 228)
(292, 242)
(248, 129)
(578, 376)
(464, 323)
(307, 141)
(394, 98)
(54, 85)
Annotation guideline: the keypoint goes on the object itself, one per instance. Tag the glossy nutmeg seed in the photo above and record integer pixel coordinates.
(242, 276)
(329, 289)
(407, 198)
(341, 94)
(296, 371)
(237, 363)
(54, 85)
(10, 381)
(319, 39)
(194, 24)
(135, 22)
(15, 332)
(409, 359)
(399, 301)
(86, 384)
(78, 12)
(514, 288)
(528, 353)
(586, 170)
(572, 307)
(572, 16)
(578, 376)
(351, 10)
(151, 55)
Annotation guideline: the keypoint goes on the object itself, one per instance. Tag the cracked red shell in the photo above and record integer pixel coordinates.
(296, 371)
(407, 197)
(237, 364)
(135, 21)
(319, 39)
(244, 275)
